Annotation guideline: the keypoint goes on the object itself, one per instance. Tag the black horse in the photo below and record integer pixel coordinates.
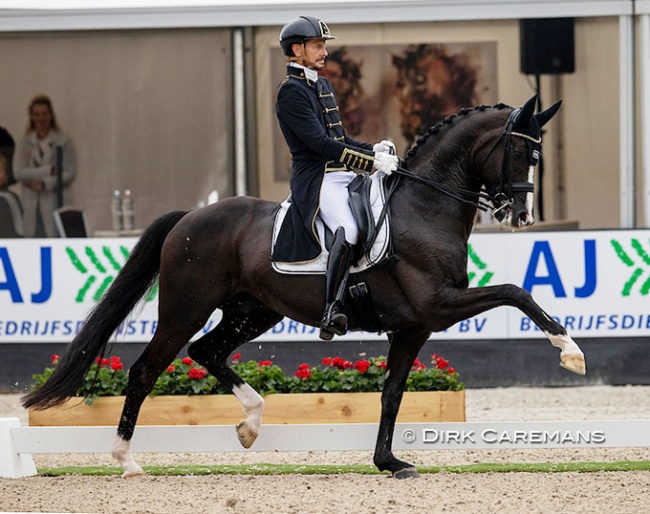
(218, 257)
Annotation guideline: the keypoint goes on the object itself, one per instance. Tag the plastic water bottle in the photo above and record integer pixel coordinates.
(116, 211)
(128, 211)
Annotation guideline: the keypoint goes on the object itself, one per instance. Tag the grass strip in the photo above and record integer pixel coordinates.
(360, 469)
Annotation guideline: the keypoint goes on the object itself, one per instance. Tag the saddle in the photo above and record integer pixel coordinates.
(367, 200)
(359, 202)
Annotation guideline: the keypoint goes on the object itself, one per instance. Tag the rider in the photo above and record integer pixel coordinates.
(323, 158)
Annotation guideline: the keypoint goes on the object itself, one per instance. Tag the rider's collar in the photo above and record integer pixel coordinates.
(311, 75)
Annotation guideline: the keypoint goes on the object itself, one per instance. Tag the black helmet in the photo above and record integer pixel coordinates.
(303, 29)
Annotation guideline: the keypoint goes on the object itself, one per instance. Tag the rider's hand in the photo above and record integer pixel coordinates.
(385, 146)
(385, 162)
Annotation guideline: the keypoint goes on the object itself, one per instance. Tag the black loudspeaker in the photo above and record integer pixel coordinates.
(547, 46)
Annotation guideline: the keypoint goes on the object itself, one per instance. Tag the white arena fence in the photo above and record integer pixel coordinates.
(18, 443)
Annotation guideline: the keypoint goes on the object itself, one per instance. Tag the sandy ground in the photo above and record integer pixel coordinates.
(620, 492)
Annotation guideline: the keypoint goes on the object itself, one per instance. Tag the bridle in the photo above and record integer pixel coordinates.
(502, 195)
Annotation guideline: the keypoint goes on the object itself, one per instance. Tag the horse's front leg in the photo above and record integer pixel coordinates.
(463, 304)
(404, 348)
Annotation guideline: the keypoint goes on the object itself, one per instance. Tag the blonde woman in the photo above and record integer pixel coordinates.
(36, 170)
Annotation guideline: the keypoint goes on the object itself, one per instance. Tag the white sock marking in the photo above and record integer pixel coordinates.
(252, 405)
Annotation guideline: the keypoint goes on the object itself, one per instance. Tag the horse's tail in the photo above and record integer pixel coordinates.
(132, 282)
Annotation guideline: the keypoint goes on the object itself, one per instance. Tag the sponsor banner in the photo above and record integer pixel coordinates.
(595, 283)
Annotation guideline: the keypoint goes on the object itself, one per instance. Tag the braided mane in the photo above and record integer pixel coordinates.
(441, 128)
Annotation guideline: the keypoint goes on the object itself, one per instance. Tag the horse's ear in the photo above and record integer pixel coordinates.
(528, 109)
(544, 116)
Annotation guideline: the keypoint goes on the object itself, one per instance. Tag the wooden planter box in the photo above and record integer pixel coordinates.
(279, 409)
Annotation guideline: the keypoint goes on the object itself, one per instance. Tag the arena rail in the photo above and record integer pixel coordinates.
(18, 443)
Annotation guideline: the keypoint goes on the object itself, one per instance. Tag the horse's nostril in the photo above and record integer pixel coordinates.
(525, 219)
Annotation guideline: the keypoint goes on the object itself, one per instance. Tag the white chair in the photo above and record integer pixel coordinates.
(71, 222)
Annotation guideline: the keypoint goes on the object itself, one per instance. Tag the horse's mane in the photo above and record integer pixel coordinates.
(441, 128)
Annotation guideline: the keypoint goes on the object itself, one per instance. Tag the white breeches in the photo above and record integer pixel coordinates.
(334, 209)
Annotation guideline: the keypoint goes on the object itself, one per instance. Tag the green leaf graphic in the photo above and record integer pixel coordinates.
(483, 275)
(638, 259)
(100, 269)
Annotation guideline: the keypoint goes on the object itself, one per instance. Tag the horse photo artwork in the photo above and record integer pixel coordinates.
(218, 257)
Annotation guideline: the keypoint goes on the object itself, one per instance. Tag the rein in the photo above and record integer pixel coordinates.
(451, 191)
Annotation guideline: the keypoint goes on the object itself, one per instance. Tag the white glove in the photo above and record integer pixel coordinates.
(385, 146)
(385, 162)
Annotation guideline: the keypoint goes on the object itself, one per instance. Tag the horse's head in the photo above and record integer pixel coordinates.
(507, 169)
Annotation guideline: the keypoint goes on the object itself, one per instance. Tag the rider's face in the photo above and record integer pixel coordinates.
(312, 54)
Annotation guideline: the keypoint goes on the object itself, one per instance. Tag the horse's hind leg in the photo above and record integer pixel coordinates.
(165, 345)
(404, 348)
(242, 321)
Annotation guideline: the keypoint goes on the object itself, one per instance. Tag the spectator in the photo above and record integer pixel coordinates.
(7, 147)
(11, 214)
(36, 170)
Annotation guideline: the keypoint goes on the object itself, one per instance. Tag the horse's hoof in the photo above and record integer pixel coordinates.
(134, 473)
(406, 473)
(246, 434)
(574, 363)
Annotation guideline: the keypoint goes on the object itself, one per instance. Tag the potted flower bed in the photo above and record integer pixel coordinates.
(336, 391)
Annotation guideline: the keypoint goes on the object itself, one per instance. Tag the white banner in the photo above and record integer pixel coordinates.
(595, 283)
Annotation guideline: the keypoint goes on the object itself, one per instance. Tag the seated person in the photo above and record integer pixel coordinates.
(11, 212)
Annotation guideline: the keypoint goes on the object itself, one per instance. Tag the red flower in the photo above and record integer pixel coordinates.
(303, 371)
(362, 366)
(381, 364)
(115, 365)
(55, 358)
(237, 356)
(451, 370)
(341, 363)
(265, 363)
(187, 361)
(171, 368)
(442, 363)
(327, 361)
(197, 373)
(417, 365)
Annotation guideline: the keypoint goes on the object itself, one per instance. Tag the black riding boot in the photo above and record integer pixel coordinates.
(335, 320)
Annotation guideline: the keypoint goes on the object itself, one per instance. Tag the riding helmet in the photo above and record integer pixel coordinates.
(301, 30)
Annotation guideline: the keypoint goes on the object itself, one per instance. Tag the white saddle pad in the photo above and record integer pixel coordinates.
(319, 265)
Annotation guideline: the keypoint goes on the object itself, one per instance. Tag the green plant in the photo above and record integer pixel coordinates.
(106, 377)
(334, 375)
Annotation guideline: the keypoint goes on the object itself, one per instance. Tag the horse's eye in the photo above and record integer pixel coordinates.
(519, 155)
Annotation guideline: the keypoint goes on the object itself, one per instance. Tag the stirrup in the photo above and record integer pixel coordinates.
(334, 322)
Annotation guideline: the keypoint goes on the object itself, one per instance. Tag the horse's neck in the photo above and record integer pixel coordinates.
(452, 167)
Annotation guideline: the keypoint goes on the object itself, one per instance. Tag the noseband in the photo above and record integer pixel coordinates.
(501, 196)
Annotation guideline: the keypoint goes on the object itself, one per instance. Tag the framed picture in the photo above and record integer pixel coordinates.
(398, 91)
